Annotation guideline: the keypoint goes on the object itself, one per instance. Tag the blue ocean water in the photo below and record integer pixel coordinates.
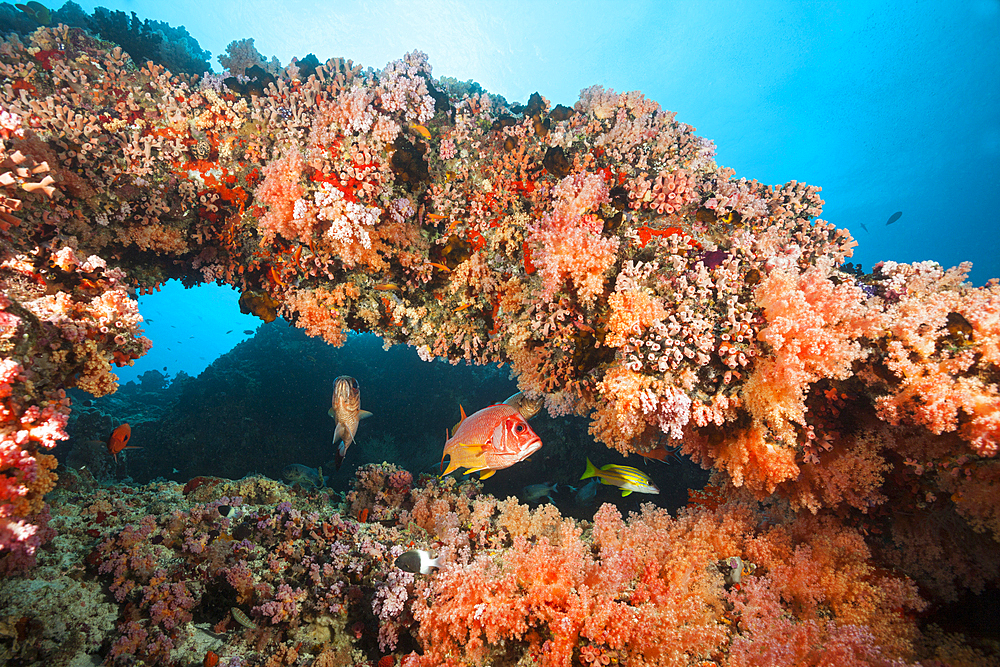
(888, 106)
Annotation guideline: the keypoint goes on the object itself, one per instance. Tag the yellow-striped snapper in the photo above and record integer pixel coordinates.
(626, 478)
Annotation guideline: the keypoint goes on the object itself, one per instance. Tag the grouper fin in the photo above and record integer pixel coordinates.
(340, 454)
(332, 413)
(341, 433)
(364, 414)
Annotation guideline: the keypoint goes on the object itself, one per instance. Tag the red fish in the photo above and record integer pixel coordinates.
(119, 440)
(347, 411)
(494, 438)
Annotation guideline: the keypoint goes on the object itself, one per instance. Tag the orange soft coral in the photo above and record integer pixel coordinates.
(812, 331)
(280, 191)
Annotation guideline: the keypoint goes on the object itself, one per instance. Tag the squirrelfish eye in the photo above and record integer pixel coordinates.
(519, 428)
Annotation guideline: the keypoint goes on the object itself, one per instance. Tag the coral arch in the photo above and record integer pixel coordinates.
(600, 251)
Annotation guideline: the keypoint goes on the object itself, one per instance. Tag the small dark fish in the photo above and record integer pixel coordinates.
(230, 331)
(865, 228)
(894, 217)
(588, 491)
(417, 561)
(248, 332)
(533, 493)
(150, 321)
(37, 11)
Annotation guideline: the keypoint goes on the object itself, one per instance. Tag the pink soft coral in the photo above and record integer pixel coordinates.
(571, 246)
(281, 191)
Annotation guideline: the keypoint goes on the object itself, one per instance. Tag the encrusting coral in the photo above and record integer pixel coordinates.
(600, 251)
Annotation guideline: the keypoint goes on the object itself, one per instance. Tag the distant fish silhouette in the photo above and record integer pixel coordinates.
(37, 11)
(894, 217)
(248, 332)
(864, 227)
(230, 331)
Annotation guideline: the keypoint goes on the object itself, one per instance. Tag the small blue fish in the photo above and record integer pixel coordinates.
(894, 217)
(533, 493)
(588, 492)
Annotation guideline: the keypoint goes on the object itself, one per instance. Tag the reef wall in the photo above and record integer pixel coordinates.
(598, 250)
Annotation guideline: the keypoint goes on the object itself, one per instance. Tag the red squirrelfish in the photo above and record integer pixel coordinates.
(118, 440)
(347, 411)
(494, 438)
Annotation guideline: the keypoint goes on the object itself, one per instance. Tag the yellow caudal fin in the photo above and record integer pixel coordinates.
(463, 456)
(591, 471)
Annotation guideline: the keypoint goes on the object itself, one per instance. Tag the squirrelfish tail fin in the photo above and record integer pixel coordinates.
(463, 456)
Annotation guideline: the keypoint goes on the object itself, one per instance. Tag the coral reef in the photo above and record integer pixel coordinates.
(261, 574)
(850, 420)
